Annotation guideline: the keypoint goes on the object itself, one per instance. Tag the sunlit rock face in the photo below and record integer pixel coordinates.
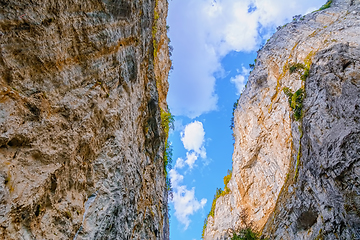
(298, 178)
(81, 142)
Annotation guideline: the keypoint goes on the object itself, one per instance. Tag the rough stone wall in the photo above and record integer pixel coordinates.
(81, 142)
(317, 195)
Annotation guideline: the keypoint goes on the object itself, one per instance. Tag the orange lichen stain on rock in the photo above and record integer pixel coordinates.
(7, 93)
(285, 70)
(161, 87)
(61, 63)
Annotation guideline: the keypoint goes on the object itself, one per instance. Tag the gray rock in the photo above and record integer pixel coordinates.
(81, 141)
(299, 179)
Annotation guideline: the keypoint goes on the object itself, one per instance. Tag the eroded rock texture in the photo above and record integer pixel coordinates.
(299, 179)
(81, 142)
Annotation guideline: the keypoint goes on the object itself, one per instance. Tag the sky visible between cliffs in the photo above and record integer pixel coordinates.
(214, 43)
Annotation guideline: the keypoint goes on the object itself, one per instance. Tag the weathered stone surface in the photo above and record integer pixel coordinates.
(81, 142)
(318, 196)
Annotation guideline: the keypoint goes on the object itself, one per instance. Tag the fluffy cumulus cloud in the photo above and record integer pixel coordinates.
(240, 79)
(193, 138)
(204, 31)
(184, 200)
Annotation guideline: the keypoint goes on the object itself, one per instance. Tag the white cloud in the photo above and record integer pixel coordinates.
(193, 138)
(240, 80)
(185, 203)
(204, 31)
(190, 159)
(175, 178)
(184, 200)
(180, 163)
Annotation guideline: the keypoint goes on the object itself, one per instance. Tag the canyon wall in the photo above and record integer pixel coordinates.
(82, 88)
(296, 160)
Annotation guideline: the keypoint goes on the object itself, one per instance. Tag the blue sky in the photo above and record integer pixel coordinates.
(214, 42)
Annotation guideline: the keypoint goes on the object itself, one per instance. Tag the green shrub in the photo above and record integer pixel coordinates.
(245, 234)
(326, 5)
(295, 101)
(305, 74)
(233, 113)
(295, 67)
(226, 181)
(204, 227)
(288, 93)
(167, 123)
(298, 66)
(219, 192)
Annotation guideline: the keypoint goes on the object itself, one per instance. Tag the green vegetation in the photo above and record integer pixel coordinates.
(233, 115)
(204, 227)
(252, 65)
(299, 154)
(167, 163)
(167, 123)
(305, 74)
(296, 67)
(226, 181)
(295, 101)
(245, 234)
(326, 5)
(219, 193)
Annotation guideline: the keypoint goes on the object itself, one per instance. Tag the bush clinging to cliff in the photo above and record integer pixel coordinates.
(219, 192)
(167, 123)
(245, 234)
(295, 101)
(326, 5)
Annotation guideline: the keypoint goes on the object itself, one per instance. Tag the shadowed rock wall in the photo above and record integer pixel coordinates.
(81, 142)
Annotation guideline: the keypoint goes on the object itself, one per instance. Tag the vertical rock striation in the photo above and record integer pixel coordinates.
(81, 141)
(296, 166)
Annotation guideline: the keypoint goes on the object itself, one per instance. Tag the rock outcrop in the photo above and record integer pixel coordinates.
(82, 88)
(296, 161)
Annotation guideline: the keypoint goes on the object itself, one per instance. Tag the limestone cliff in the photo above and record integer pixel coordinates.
(296, 160)
(82, 88)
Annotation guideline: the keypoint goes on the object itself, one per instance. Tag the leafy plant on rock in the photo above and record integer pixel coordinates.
(219, 193)
(326, 5)
(295, 101)
(245, 234)
(167, 123)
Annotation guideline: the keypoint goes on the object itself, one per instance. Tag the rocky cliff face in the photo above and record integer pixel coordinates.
(296, 161)
(82, 85)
